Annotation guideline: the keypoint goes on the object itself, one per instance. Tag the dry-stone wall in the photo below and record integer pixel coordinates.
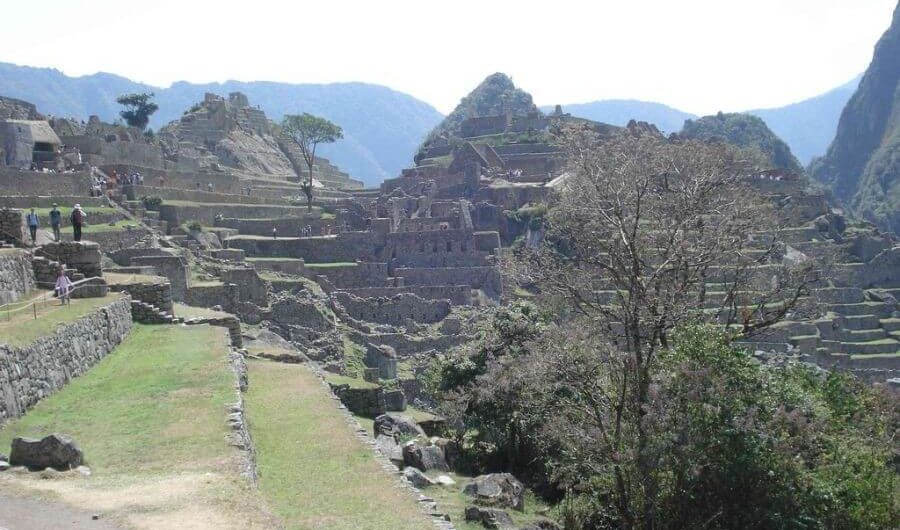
(32, 372)
(12, 226)
(33, 183)
(394, 310)
(16, 278)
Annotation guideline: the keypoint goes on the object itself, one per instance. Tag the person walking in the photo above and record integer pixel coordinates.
(32, 220)
(55, 221)
(78, 218)
(63, 286)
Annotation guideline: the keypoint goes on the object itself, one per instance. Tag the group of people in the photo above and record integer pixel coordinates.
(78, 218)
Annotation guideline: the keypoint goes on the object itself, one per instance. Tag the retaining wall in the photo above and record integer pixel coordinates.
(32, 372)
(16, 277)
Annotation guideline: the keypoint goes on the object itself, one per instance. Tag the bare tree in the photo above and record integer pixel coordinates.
(646, 234)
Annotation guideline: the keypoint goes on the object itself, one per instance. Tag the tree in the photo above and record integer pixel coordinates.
(138, 109)
(308, 131)
(640, 231)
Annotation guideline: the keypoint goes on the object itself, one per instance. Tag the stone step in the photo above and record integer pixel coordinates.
(863, 348)
(840, 295)
(890, 324)
(860, 322)
(861, 335)
(864, 308)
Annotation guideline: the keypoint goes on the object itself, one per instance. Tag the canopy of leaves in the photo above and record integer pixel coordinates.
(138, 108)
(309, 131)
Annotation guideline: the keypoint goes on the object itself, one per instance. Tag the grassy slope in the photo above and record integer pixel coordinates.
(150, 418)
(313, 471)
(157, 401)
(22, 328)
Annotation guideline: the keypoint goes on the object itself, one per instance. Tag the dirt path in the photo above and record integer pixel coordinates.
(21, 513)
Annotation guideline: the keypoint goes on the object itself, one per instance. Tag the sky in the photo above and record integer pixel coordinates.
(700, 56)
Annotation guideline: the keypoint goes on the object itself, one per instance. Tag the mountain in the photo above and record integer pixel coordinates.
(621, 111)
(808, 126)
(862, 165)
(496, 95)
(743, 130)
(382, 127)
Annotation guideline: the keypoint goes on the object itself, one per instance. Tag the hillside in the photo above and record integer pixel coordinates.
(808, 126)
(746, 131)
(496, 95)
(621, 111)
(861, 166)
(382, 127)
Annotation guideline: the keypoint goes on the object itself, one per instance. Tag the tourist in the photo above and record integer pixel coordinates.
(63, 286)
(274, 233)
(32, 220)
(55, 221)
(209, 187)
(78, 218)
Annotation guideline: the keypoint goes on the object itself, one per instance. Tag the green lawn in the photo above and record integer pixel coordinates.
(118, 226)
(156, 403)
(20, 327)
(331, 265)
(313, 471)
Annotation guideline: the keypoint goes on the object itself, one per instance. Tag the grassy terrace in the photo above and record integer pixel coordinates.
(313, 471)
(19, 327)
(118, 226)
(331, 265)
(150, 418)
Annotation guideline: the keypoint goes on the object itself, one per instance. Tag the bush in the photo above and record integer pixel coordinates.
(194, 226)
(151, 202)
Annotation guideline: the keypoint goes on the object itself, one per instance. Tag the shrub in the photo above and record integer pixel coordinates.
(151, 202)
(194, 226)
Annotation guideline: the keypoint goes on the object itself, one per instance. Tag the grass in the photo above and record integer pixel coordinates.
(188, 311)
(150, 418)
(331, 265)
(124, 278)
(251, 259)
(157, 401)
(118, 226)
(22, 328)
(313, 471)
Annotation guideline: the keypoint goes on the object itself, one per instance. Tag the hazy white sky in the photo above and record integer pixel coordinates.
(698, 55)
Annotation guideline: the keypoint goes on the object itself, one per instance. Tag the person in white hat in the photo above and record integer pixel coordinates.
(78, 218)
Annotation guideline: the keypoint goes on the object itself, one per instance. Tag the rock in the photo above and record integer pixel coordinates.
(435, 426)
(489, 517)
(425, 457)
(444, 480)
(452, 452)
(497, 489)
(543, 524)
(397, 425)
(395, 400)
(451, 325)
(56, 451)
(417, 478)
(4, 465)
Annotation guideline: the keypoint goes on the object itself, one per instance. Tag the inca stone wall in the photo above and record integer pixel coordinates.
(33, 183)
(33, 372)
(16, 277)
(394, 310)
(12, 226)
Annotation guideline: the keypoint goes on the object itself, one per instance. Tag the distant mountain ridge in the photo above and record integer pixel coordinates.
(807, 126)
(382, 127)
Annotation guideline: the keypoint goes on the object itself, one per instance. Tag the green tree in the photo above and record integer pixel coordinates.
(138, 109)
(308, 131)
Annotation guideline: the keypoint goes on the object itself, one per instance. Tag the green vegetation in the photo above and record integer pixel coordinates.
(313, 471)
(331, 264)
(307, 132)
(19, 327)
(743, 130)
(118, 226)
(452, 500)
(155, 404)
(151, 202)
(138, 108)
(189, 311)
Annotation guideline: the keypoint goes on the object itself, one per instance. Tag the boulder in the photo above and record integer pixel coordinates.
(397, 425)
(444, 480)
(394, 400)
(452, 452)
(543, 524)
(4, 465)
(424, 456)
(497, 489)
(434, 426)
(417, 478)
(489, 517)
(56, 450)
